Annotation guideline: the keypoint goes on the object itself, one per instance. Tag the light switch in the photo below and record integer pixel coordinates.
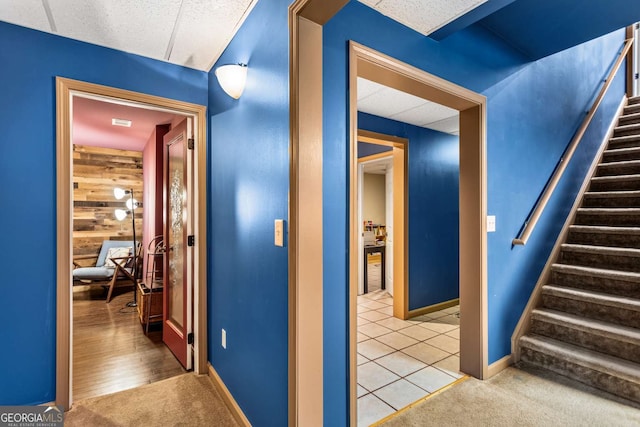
(278, 233)
(224, 339)
(491, 223)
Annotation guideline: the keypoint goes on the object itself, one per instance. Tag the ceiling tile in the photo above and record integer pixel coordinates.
(383, 101)
(143, 27)
(205, 29)
(449, 125)
(426, 113)
(367, 88)
(388, 102)
(28, 13)
(424, 16)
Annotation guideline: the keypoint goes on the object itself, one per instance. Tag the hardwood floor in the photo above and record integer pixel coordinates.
(110, 350)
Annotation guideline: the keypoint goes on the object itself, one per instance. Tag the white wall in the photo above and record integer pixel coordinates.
(373, 198)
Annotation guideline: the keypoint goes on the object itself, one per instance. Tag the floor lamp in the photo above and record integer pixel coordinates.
(121, 214)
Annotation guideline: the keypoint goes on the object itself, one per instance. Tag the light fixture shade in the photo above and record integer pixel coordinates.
(120, 214)
(232, 79)
(119, 193)
(131, 204)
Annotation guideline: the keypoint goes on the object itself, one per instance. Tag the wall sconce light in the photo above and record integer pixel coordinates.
(232, 79)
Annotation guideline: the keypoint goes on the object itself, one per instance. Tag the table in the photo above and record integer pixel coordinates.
(374, 249)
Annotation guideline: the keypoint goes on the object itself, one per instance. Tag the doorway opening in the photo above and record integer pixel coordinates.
(67, 92)
(383, 70)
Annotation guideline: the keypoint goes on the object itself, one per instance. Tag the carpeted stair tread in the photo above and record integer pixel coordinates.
(627, 276)
(594, 360)
(600, 298)
(630, 177)
(624, 141)
(607, 194)
(610, 211)
(600, 329)
(631, 109)
(627, 128)
(601, 250)
(630, 151)
(618, 168)
(632, 116)
(596, 229)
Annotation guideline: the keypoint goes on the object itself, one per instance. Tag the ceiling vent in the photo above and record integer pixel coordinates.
(121, 122)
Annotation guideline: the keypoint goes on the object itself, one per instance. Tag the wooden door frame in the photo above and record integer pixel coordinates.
(400, 148)
(383, 69)
(65, 90)
(306, 20)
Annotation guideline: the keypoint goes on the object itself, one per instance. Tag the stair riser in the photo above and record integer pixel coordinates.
(597, 284)
(620, 157)
(631, 109)
(601, 239)
(604, 261)
(608, 169)
(603, 381)
(615, 145)
(627, 220)
(626, 132)
(603, 344)
(611, 202)
(630, 185)
(592, 310)
(629, 119)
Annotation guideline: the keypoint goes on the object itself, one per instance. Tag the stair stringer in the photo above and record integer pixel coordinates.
(524, 324)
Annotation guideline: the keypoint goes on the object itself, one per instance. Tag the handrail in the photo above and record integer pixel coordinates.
(541, 203)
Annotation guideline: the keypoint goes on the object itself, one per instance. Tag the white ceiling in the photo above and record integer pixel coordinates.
(193, 33)
(383, 101)
(424, 16)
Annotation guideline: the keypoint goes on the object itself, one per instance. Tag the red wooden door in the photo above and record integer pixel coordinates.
(178, 262)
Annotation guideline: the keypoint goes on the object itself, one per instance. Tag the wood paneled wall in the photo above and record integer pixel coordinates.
(96, 172)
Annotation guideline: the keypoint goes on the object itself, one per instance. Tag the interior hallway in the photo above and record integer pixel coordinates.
(401, 361)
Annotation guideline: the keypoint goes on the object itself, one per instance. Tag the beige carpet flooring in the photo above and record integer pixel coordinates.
(516, 397)
(185, 400)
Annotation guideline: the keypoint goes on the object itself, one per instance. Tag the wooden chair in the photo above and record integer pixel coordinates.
(125, 270)
(108, 274)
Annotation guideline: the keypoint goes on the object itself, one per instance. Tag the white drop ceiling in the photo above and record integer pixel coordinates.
(383, 101)
(424, 16)
(192, 33)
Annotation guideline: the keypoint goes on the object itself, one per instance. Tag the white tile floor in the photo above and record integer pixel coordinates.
(401, 361)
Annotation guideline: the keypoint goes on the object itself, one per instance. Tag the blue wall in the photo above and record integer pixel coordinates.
(248, 189)
(366, 149)
(30, 62)
(533, 110)
(433, 181)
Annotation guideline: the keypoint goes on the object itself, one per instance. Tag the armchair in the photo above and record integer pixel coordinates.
(114, 264)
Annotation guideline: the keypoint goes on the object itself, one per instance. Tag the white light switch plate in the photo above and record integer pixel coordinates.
(278, 232)
(491, 223)
(224, 339)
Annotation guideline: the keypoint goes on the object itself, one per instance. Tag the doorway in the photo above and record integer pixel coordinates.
(373, 66)
(66, 89)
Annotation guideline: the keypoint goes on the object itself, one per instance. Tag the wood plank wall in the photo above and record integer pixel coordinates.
(96, 172)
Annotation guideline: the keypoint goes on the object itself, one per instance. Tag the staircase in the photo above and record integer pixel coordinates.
(587, 326)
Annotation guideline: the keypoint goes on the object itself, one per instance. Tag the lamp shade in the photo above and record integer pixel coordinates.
(119, 193)
(131, 204)
(232, 79)
(120, 214)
